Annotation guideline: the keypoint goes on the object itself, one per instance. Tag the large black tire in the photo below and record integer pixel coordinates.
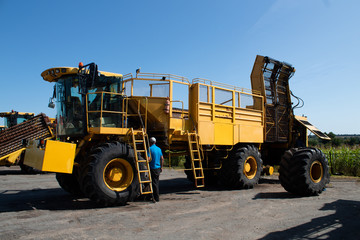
(29, 170)
(26, 169)
(69, 183)
(242, 168)
(304, 171)
(111, 177)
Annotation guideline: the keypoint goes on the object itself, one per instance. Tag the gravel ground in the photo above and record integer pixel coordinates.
(34, 207)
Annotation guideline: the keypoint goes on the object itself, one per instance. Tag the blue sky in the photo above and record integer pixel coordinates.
(217, 40)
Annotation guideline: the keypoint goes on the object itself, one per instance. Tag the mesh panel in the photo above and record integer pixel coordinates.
(276, 77)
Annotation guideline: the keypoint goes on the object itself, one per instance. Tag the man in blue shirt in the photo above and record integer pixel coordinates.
(156, 164)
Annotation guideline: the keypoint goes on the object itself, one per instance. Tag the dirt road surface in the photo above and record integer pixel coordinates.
(34, 207)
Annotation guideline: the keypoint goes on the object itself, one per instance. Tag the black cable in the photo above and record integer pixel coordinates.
(300, 101)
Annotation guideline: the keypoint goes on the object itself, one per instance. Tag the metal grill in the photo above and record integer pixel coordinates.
(12, 138)
(278, 105)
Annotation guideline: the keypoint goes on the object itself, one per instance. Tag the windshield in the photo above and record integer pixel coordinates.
(13, 120)
(69, 107)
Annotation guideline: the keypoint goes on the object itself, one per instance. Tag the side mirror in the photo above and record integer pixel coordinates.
(51, 103)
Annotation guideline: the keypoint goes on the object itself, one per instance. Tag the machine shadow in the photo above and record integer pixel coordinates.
(343, 224)
(43, 199)
(56, 199)
(182, 185)
(176, 185)
(275, 195)
(269, 180)
(14, 170)
(9, 171)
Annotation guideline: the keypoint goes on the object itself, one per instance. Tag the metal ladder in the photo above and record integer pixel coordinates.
(140, 149)
(196, 159)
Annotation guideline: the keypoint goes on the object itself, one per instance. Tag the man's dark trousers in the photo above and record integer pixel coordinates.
(155, 174)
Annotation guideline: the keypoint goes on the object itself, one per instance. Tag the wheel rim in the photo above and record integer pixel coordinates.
(118, 174)
(316, 171)
(250, 167)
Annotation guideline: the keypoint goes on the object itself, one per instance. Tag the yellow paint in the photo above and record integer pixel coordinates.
(118, 174)
(115, 174)
(227, 125)
(316, 171)
(206, 132)
(223, 134)
(53, 74)
(11, 158)
(271, 170)
(56, 157)
(248, 133)
(312, 128)
(109, 130)
(250, 167)
(247, 167)
(7, 114)
(177, 124)
(257, 78)
(268, 170)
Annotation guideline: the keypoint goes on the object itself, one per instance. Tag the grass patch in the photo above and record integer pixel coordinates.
(176, 162)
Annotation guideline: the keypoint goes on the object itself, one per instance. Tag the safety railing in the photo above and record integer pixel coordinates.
(223, 85)
(211, 112)
(140, 111)
(180, 111)
(105, 110)
(156, 76)
(111, 110)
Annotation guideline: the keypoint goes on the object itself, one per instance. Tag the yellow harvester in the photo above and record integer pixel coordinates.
(227, 133)
(20, 127)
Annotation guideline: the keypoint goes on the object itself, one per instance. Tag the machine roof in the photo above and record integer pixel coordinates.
(53, 74)
(5, 114)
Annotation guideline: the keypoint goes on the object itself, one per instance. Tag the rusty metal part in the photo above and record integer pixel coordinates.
(12, 138)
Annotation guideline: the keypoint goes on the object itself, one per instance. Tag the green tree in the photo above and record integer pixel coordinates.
(313, 141)
(336, 142)
(331, 135)
(353, 141)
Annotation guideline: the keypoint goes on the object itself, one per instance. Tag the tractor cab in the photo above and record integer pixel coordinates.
(13, 118)
(82, 95)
